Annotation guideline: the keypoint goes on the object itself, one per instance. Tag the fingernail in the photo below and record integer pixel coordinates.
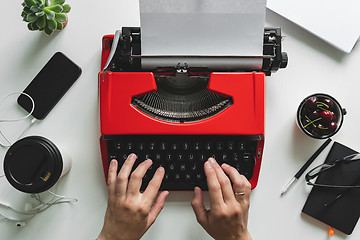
(132, 157)
(112, 163)
(161, 169)
(208, 164)
(225, 165)
(212, 160)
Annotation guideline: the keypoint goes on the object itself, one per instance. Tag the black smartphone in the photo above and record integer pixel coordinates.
(50, 85)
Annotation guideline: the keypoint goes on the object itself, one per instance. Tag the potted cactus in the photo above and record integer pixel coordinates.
(45, 15)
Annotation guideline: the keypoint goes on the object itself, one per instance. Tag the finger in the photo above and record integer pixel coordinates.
(237, 179)
(153, 187)
(247, 186)
(137, 176)
(111, 181)
(215, 194)
(123, 176)
(197, 204)
(157, 207)
(240, 183)
(226, 188)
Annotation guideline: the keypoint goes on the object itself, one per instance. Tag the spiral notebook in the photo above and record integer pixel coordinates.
(337, 208)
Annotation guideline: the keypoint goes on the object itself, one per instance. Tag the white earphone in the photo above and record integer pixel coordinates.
(20, 222)
(31, 211)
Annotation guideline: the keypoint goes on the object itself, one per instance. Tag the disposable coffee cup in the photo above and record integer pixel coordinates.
(34, 164)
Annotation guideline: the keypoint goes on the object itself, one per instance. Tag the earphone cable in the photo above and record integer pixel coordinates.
(17, 119)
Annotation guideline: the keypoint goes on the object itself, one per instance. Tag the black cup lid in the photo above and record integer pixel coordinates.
(33, 164)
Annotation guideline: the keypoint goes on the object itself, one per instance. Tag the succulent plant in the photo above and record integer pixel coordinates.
(45, 15)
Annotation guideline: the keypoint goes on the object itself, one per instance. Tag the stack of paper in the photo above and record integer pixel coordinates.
(202, 28)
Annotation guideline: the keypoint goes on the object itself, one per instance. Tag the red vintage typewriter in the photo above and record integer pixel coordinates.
(181, 116)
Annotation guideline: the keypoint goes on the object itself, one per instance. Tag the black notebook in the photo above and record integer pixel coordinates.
(323, 204)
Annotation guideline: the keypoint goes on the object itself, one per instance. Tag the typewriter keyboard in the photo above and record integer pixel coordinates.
(183, 156)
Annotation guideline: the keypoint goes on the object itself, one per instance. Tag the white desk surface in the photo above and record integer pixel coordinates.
(314, 66)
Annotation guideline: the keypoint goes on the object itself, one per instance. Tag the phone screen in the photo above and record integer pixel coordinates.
(49, 85)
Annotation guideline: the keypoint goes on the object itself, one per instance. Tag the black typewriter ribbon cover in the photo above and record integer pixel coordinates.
(342, 213)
